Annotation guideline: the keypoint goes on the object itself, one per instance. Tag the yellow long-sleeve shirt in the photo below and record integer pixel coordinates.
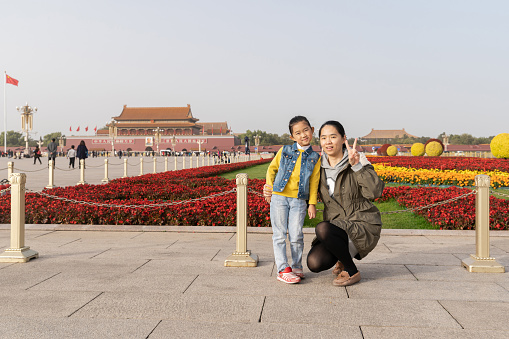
(291, 189)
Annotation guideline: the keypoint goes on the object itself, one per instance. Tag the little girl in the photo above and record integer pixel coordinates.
(294, 175)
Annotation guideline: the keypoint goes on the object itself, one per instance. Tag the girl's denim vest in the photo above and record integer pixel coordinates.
(289, 157)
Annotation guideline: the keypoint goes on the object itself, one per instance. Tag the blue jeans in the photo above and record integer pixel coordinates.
(287, 215)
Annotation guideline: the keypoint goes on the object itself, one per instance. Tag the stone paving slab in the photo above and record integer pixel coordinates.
(429, 290)
(21, 303)
(51, 328)
(479, 315)
(372, 332)
(105, 280)
(438, 248)
(456, 273)
(383, 272)
(197, 266)
(396, 239)
(357, 312)
(143, 305)
(186, 329)
(446, 259)
(440, 239)
(268, 286)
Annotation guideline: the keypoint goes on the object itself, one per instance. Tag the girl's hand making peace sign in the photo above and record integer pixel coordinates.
(353, 155)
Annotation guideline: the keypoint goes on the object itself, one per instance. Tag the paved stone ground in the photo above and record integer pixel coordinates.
(135, 284)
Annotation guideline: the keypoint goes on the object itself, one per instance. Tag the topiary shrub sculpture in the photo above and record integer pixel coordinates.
(436, 140)
(500, 146)
(418, 149)
(434, 149)
(392, 151)
(383, 150)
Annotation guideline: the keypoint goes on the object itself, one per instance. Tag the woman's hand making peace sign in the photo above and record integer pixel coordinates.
(353, 155)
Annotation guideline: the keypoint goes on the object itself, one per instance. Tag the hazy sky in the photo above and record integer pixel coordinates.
(426, 66)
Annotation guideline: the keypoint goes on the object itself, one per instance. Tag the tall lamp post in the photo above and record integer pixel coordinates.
(113, 135)
(257, 142)
(173, 143)
(61, 142)
(157, 138)
(27, 121)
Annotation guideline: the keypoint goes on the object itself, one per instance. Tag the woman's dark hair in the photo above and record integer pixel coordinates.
(82, 143)
(295, 120)
(336, 125)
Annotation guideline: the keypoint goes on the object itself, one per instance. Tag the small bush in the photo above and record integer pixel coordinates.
(392, 151)
(382, 151)
(500, 146)
(418, 149)
(434, 149)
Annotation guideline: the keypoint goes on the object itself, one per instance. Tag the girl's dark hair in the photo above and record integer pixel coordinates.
(295, 120)
(82, 143)
(336, 125)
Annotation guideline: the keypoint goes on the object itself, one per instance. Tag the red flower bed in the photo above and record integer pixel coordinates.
(149, 189)
(459, 214)
(445, 163)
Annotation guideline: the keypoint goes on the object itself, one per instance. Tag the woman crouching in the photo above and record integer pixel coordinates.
(352, 224)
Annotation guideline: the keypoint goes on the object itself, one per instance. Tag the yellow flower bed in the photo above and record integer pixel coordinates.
(438, 177)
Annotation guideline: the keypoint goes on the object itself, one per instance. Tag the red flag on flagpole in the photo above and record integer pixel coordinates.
(12, 81)
(95, 129)
(70, 128)
(78, 129)
(86, 129)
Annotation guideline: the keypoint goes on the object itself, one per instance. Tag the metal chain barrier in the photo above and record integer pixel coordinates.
(250, 190)
(22, 170)
(5, 190)
(499, 193)
(172, 203)
(63, 169)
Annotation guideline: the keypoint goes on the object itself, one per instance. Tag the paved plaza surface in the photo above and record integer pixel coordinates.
(170, 282)
(146, 284)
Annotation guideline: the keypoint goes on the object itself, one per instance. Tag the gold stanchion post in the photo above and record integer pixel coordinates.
(51, 169)
(141, 166)
(10, 169)
(125, 168)
(481, 262)
(106, 179)
(82, 173)
(241, 257)
(155, 165)
(18, 252)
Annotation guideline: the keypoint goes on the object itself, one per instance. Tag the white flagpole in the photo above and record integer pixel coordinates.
(5, 114)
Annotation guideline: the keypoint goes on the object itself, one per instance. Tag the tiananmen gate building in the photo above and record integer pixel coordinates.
(152, 128)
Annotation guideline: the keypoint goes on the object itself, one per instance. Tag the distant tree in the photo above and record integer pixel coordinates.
(266, 139)
(13, 139)
(468, 139)
(47, 138)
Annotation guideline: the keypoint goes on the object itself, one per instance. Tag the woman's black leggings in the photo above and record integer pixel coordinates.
(333, 246)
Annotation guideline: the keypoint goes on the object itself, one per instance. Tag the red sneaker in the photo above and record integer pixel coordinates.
(287, 276)
(299, 272)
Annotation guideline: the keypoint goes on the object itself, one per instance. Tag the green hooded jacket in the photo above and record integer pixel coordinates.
(351, 209)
